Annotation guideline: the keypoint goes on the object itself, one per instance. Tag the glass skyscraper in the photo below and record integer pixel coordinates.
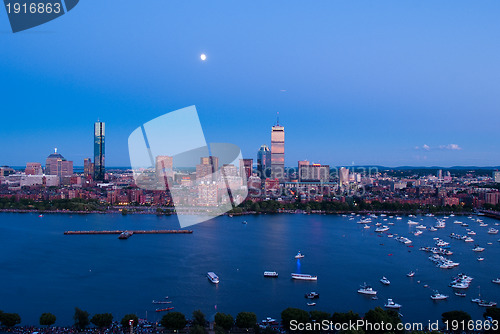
(264, 161)
(99, 151)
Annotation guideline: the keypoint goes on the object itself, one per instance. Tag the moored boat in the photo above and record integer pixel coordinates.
(212, 277)
(299, 255)
(304, 277)
(391, 304)
(270, 274)
(367, 290)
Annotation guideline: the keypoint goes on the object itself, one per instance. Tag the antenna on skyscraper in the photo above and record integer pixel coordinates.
(278, 118)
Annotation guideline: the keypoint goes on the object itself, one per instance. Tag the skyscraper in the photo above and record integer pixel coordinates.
(99, 151)
(56, 164)
(246, 167)
(264, 161)
(88, 168)
(278, 152)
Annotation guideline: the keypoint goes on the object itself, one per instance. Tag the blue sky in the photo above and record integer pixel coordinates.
(366, 82)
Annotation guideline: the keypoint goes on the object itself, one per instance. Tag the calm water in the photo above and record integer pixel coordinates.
(43, 270)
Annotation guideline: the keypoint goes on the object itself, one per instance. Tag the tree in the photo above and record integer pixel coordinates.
(174, 321)
(197, 329)
(345, 318)
(246, 319)
(223, 320)
(493, 313)
(102, 320)
(456, 315)
(81, 318)
(10, 319)
(319, 316)
(290, 314)
(126, 320)
(199, 318)
(379, 315)
(47, 319)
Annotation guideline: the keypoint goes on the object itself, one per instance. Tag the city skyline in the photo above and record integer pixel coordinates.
(388, 84)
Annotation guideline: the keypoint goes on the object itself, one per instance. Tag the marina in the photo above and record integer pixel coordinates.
(166, 265)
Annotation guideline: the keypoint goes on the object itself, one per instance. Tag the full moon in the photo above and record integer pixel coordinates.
(203, 57)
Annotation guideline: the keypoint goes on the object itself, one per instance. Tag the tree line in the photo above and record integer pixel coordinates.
(225, 323)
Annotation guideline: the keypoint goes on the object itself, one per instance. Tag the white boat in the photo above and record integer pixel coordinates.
(492, 230)
(304, 277)
(438, 296)
(477, 248)
(418, 233)
(385, 281)
(469, 239)
(421, 227)
(311, 304)
(471, 233)
(367, 226)
(480, 258)
(496, 281)
(433, 229)
(382, 229)
(391, 304)
(487, 304)
(213, 277)
(483, 224)
(411, 222)
(457, 222)
(270, 274)
(411, 274)
(365, 221)
(367, 290)
(299, 255)
(460, 294)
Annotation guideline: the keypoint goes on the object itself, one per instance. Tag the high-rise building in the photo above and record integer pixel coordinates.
(496, 176)
(264, 161)
(88, 168)
(314, 172)
(343, 176)
(56, 164)
(33, 168)
(246, 166)
(208, 166)
(99, 170)
(278, 152)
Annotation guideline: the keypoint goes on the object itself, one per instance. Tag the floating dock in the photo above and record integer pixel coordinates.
(131, 231)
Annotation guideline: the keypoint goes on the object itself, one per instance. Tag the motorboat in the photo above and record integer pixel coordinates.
(212, 277)
(487, 304)
(460, 294)
(125, 235)
(367, 290)
(496, 281)
(391, 304)
(304, 277)
(492, 230)
(477, 248)
(438, 296)
(385, 281)
(270, 274)
(367, 226)
(433, 229)
(471, 233)
(410, 274)
(299, 255)
(312, 295)
(421, 227)
(411, 222)
(480, 258)
(311, 304)
(382, 229)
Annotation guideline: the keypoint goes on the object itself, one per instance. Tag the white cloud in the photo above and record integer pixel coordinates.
(426, 147)
(453, 147)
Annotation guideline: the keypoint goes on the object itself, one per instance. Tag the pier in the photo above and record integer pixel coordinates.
(130, 231)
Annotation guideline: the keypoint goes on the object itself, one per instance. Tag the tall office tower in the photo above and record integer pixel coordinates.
(56, 164)
(440, 175)
(33, 168)
(246, 166)
(496, 176)
(343, 176)
(88, 168)
(264, 161)
(99, 170)
(278, 152)
(208, 166)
